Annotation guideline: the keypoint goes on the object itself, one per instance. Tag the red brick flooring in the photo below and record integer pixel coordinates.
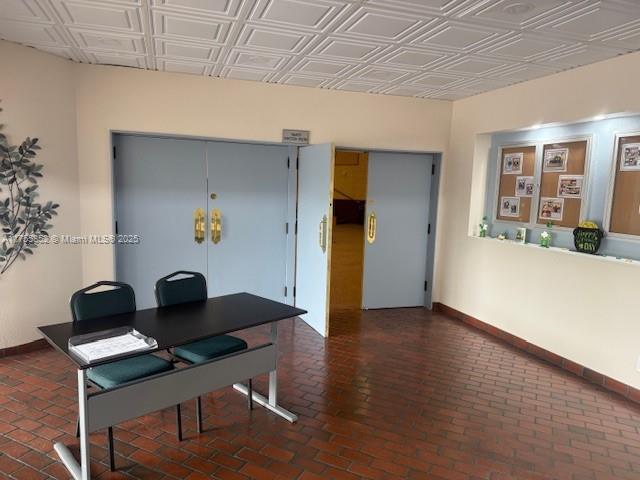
(393, 394)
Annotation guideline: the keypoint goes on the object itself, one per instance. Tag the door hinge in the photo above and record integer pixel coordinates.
(294, 291)
(285, 290)
(433, 169)
(429, 229)
(296, 228)
(116, 227)
(114, 152)
(286, 228)
(288, 162)
(426, 284)
(298, 163)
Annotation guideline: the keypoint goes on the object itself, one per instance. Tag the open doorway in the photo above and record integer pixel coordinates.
(347, 250)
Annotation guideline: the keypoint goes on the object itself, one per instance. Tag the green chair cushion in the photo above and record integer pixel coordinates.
(122, 371)
(209, 348)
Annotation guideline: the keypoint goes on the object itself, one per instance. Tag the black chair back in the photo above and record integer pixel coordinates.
(86, 304)
(192, 287)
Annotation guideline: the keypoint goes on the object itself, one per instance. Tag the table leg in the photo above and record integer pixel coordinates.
(270, 403)
(79, 471)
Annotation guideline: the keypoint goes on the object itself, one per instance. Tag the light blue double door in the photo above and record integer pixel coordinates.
(218, 208)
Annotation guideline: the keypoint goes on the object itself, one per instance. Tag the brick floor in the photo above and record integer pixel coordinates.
(393, 394)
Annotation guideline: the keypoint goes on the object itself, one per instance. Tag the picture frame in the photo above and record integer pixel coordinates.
(551, 209)
(570, 186)
(510, 207)
(630, 157)
(555, 160)
(512, 163)
(525, 186)
(521, 235)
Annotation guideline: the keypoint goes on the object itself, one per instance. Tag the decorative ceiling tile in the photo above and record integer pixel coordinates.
(97, 14)
(272, 39)
(525, 47)
(412, 57)
(445, 49)
(516, 14)
(303, 81)
(23, 10)
(228, 8)
(245, 74)
(253, 59)
(346, 49)
(381, 25)
(186, 51)
(187, 28)
(304, 14)
(108, 41)
(457, 37)
(589, 23)
(323, 67)
(183, 67)
(105, 58)
(30, 33)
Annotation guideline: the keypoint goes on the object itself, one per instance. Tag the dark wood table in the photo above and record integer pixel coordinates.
(171, 327)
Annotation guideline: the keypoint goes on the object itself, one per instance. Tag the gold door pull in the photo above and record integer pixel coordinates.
(323, 234)
(199, 220)
(372, 223)
(216, 226)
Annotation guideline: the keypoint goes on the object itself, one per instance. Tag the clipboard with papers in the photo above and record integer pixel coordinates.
(109, 344)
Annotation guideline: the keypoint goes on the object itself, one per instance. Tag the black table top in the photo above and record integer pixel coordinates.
(177, 325)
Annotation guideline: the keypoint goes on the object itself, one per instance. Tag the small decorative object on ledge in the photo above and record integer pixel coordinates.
(483, 227)
(503, 236)
(521, 235)
(545, 237)
(23, 220)
(587, 237)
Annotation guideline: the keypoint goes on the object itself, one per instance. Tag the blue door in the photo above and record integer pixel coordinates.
(247, 238)
(396, 227)
(315, 218)
(160, 183)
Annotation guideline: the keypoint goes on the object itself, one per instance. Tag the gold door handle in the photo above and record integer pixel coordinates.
(323, 234)
(372, 223)
(216, 226)
(199, 220)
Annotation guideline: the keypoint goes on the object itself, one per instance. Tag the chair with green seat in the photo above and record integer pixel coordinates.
(87, 304)
(186, 287)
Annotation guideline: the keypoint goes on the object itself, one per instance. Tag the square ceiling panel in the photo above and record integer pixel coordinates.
(23, 10)
(457, 37)
(412, 57)
(272, 39)
(381, 24)
(305, 14)
(417, 48)
(589, 23)
(343, 48)
(96, 14)
(190, 28)
(186, 51)
(228, 8)
(517, 13)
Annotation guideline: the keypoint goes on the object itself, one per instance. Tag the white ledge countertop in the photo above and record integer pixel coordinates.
(566, 251)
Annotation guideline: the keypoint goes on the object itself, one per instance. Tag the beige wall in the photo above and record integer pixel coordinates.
(593, 318)
(110, 98)
(37, 93)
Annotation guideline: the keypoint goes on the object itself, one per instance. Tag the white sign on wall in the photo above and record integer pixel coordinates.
(295, 137)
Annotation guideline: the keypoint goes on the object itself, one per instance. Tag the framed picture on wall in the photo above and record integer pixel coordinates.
(521, 235)
(570, 186)
(551, 208)
(524, 187)
(509, 206)
(630, 157)
(555, 160)
(512, 163)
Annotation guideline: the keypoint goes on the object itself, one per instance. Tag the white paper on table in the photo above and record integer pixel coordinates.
(112, 346)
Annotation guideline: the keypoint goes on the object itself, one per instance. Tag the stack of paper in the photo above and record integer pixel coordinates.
(110, 347)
